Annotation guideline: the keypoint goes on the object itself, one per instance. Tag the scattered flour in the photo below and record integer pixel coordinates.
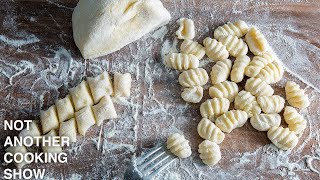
(27, 39)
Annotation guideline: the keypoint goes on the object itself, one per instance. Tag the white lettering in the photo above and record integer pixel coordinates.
(6, 157)
(7, 174)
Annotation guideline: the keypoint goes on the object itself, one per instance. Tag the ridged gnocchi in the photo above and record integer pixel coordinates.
(180, 61)
(209, 152)
(238, 68)
(295, 121)
(209, 131)
(235, 46)
(178, 145)
(296, 96)
(271, 104)
(245, 101)
(186, 29)
(214, 107)
(220, 71)
(238, 28)
(192, 94)
(283, 138)
(193, 77)
(258, 63)
(271, 73)
(258, 87)
(256, 41)
(231, 120)
(263, 122)
(215, 50)
(192, 47)
(226, 89)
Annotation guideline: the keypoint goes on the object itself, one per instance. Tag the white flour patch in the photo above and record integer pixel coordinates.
(159, 34)
(25, 40)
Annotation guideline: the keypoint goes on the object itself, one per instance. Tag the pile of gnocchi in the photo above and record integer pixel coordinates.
(257, 101)
(87, 104)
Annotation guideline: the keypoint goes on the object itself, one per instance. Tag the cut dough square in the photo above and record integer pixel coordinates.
(85, 119)
(105, 26)
(69, 129)
(122, 84)
(49, 119)
(65, 108)
(100, 86)
(104, 110)
(51, 149)
(81, 96)
(34, 130)
(18, 149)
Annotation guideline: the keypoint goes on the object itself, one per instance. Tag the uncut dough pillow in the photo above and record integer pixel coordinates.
(101, 27)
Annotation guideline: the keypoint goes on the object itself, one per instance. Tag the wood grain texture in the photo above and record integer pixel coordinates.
(155, 109)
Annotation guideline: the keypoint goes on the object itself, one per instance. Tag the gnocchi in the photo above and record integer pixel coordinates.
(69, 129)
(296, 96)
(263, 122)
(271, 73)
(178, 145)
(186, 29)
(231, 120)
(215, 50)
(258, 63)
(122, 84)
(214, 107)
(192, 94)
(100, 86)
(208, 130)
(85, 119)
(209, 152)
(238, 28)
(295, 121)
(256, 41)
(283, 138)
(226, 89)
(51, 149)
(49, 119)
(238, 68)
(192, 47)
(33, 131)
(235, 46)
(18, 149)
(258, 87)
(65, 108)
(271, 104)
(245, 101)
(104, 110)
(180, 61)
(220, 71)
(81, 96)
(193, 77)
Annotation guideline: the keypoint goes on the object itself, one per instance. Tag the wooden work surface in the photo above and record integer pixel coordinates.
(39, 62)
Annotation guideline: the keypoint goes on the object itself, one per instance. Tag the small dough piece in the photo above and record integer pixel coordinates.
(263, 122)
(104, 110)
(192, 94)
(258, 87)
(51, 149)
(18, 149)
(209, 152)
(272, 73)
(220, 71)
(208, 130)
(34, 130)
(296, 96)
(214, 107)
(258, 63)
(180, 61)
(81, 96)
(238, 28)
(122, 84)
(231, 120)
(105, 26)
(245, 101)
(100, 86)
(186, 29)
(193, 77)
(295, 121)
(192, 47)
(226, 89)
(49, 119)
(238, 68)
(85, 119)
(235, 46)
(271, 104)
(65, 108)
(215, 50)
(283, 138)
(256, 41)
(178, 145)
(69, 129)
